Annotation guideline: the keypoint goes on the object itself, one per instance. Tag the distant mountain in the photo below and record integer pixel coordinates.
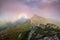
(38, 20)
(21, 20)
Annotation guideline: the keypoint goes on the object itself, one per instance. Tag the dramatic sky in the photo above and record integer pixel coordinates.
(11, 9)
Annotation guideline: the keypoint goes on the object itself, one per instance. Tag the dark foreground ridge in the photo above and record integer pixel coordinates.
(44, 32)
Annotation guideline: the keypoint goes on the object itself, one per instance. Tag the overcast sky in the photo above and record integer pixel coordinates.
(10, 9)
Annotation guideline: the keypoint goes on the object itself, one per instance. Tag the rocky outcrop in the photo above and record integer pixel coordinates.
(38, 33)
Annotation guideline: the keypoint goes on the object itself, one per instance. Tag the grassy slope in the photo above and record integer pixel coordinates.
(13, 33)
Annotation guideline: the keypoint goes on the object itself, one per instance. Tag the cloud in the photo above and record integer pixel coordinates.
(39, 7)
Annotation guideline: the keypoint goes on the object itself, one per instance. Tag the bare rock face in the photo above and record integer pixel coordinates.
(38, 33)
(50, 38)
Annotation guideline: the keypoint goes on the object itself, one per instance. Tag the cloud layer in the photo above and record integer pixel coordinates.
(45, 8)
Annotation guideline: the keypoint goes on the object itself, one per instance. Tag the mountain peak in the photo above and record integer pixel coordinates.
(36, 16)
(35, 20)
(21, 20)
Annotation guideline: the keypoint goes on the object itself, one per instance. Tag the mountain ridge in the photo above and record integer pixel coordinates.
(38, 20)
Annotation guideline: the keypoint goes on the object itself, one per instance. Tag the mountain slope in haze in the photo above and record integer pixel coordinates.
(35, 20)
(3, 22)
(21, 20)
